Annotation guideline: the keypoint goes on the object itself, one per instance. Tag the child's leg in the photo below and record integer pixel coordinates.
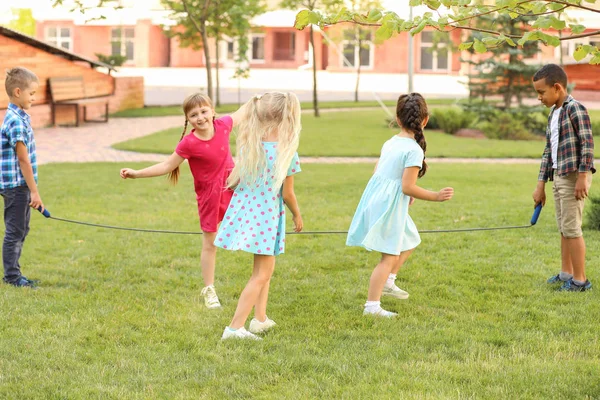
(380, 275)
(261, 274)
(208, 257)
(401, 260)
(565, 256)
(260, 308)
(577, 252)
(16, 219)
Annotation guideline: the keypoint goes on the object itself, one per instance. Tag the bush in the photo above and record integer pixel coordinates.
(451, 119)
(504, 125)
(593, 213)
(596, 128)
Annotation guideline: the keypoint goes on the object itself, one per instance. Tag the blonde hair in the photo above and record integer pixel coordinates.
(271, 112)
(18, 77)
(191, 102)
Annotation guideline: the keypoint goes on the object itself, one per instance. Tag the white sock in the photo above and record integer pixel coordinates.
(391, 280)
(372, 305)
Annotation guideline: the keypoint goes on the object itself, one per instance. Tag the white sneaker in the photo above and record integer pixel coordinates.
(241, 333)
(395, 291)
(210, 297)
(379, 312)
(259, 327)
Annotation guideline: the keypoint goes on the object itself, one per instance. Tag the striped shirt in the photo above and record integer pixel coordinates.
(16, 128)
(575, 142)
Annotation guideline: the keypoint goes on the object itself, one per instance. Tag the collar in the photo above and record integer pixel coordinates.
(19, 111)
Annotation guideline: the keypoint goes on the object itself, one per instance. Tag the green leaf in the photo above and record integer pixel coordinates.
(595, 60)
(513, 15)
(383, 33)
(433, 4)
(555, 6)
(580, 53)
(447, 3)
(374, 15)
(510, 42)
(577, 28)
(314, 17)
(479, 46)
(415, 3)
(465, 46)
(419, 27)
(302, 19)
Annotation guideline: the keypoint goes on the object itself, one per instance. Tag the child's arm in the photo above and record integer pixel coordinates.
(410, 188)
(159, 169)
(237, 116)
(289, 198)
(539, 194)
(27, 171)
(583, 128)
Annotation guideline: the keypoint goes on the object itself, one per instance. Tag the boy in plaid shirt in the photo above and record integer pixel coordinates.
(18, 174)
(568, 159)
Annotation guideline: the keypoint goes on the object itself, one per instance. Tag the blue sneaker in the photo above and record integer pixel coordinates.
(555, 279)
(570, 286)
(22, 282)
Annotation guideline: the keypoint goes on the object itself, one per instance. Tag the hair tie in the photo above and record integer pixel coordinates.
(258, 96)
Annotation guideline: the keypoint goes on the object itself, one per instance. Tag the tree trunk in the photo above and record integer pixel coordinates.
(314, 57)
(357, 72)
(218, 86)
(209, 87)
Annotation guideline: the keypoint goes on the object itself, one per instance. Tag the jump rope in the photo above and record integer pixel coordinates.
(534, 218)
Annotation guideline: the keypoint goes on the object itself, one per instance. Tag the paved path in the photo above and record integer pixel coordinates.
(92, 143)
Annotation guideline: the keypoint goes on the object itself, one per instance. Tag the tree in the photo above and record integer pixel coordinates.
(22, 21)
(311, 5)
(462, 14)
(199, 20)
(503, 70)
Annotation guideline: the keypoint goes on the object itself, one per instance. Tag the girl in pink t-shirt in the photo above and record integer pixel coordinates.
(206, 148)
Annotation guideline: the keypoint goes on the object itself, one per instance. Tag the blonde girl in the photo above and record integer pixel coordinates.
(263, 177)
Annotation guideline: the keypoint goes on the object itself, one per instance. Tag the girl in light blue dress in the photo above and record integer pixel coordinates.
(381, 222)
(263, 177)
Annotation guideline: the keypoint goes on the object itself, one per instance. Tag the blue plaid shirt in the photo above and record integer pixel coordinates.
(16, 128)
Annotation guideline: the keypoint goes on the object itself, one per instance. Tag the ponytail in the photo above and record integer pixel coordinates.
(411, 111)
(174, 175)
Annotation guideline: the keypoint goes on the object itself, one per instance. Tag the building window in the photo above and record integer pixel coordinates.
(122, 42)
(285, 46)
(257, 47)
(357, 47)
(59, 37)
(434, 60)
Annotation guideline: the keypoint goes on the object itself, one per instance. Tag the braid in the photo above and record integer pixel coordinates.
(411, 110)
(174, 175)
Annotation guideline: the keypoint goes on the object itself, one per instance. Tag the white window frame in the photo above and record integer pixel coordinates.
(434, 54)
(251, 48)
(357, 54)
(124, 41)
(58, 38)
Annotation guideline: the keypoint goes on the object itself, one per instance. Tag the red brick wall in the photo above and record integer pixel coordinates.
(129, 93)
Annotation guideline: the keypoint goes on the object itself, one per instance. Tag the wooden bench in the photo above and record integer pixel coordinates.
(70, 91)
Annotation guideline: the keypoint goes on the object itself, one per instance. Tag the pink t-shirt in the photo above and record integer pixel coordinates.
(210, 163)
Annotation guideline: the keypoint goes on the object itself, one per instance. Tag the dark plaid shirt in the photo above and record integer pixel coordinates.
(575, 142)
(15, 128)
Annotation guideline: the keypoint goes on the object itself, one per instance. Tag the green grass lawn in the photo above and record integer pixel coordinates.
(118, 314)
(159, 111)
(360, 134)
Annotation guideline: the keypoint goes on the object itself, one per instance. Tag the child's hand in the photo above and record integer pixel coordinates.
(411, 201)
(445, 194)
(539, 195)
(298, 225)
(581, 187)
(36, 201)
(128, 173)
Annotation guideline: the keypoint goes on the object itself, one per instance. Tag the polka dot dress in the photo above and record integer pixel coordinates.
(255, 219)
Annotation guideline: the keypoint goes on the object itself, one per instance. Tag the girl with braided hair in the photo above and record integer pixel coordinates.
(381, 221)
(206, 148)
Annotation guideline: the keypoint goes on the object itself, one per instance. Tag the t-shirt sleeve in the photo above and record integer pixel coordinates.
(224, 124)
(414, 158)
(294, 166)
(17, 132)
(182, 148)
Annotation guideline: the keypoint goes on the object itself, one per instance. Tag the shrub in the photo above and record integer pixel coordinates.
(451, 119)
(504, 125)
(115, 60)
(593, 213)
